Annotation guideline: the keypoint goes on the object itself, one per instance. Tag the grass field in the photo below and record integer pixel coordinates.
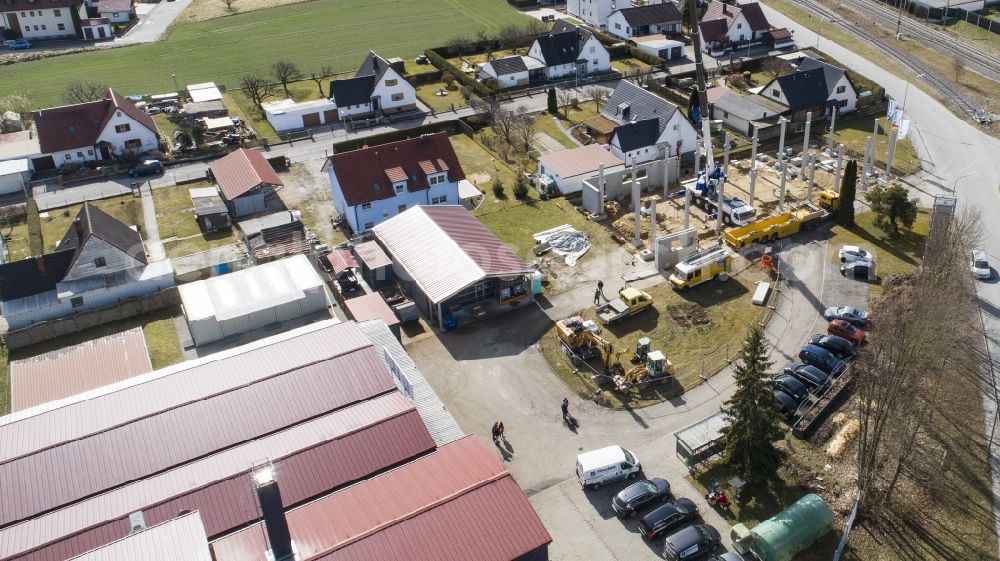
(178, 229)
(338, 33)
(852, 133)
(982, 38)
(427, 93)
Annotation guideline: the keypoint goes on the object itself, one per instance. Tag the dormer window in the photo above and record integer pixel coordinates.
(623, 110)
(399, 187)
(436, 179)
(71, 129)
(376, 186)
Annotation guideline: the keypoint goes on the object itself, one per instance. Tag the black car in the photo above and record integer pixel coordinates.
(822, 359)
(149, 167)
(667, 517)
(788, 404)
(639, 495)
(838, 346)
(812, 377)
(790, 385)
(692, 542)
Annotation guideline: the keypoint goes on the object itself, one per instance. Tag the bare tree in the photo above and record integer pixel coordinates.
(460, 45)
(643, 76)
(513, 36)
(772, 68)
(285, 71)
(82, 92)
(318, 77)
(565, 98)
(229, 4)
(524, 128)
(598, 95)
(503, 120)
(257, 89)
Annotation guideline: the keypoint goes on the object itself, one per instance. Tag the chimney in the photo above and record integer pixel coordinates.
(78, 227)
(273, 512)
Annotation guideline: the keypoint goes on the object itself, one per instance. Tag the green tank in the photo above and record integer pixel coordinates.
(785, 534)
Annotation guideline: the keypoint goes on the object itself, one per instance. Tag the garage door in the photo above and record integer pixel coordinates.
(331, 116)
(45, 163)
(310, 120)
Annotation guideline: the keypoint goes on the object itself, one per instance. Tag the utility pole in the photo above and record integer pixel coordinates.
(753, 166)
(833, 123)
(899, 17)
(891, 153)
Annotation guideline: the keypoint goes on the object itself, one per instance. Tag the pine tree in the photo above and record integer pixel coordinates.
(848, 192)
(553, 104)
(753, 414)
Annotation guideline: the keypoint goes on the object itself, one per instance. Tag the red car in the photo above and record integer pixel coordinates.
(844, 329)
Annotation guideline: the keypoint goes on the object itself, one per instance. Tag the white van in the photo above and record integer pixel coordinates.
(606, 465)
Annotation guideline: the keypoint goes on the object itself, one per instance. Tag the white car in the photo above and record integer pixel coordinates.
(979, 265)
(851, 253)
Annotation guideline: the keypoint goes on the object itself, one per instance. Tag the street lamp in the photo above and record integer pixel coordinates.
(907, 90)
(820, 28)
(899, 17)
(955, 184)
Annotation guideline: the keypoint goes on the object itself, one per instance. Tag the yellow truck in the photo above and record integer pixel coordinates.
(630, 301)
(806, 217)
(702, 266)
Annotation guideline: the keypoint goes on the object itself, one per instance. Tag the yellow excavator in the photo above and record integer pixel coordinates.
(655, 366)
(583, 341)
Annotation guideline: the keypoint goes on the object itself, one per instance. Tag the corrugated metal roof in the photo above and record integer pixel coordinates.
(71, 370)
(241, 171)
(92, 412)
(310, 459)
(371, 306)
(577, 161)
(180, 539)
(445, 249)
(340, 260)
(147, 445)
(372, 255)
(458, 503)
(438, 420)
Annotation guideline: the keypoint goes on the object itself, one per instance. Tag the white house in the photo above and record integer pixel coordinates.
(372, 184)
(651, 19)
(96, 130)
(568, 168)
(725, 26)
(286, 114)
(647, 127)
(512, 71)
(596, 12)
(98, 263)
(660, 46)
(48, 19)
(569, 50)
(376, 89)
(815, 87)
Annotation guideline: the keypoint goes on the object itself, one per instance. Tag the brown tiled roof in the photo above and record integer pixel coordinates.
(18, 5)
(713, 30)
(602, 124)
(362, 173)
(110, 6)
(780, 34)
(395, 174)
(76, 126)
(717, 11)
(241, 171)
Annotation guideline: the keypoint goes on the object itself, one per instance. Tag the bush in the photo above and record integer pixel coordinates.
(520, 187)
(466, 92)
(448, 78)
(649, 59)
(498, 188)
(440, 62)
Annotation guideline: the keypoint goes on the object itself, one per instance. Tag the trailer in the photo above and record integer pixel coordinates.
(804, 218)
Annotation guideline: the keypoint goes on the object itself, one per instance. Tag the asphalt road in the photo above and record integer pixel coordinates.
(151, 25)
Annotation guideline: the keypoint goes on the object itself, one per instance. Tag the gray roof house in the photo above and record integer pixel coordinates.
(650, 19)
(814, 87)
(376, 88)
(742, 113)
(647, 127)
(568, 50)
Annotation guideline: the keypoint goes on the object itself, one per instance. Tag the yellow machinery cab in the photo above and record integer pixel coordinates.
(703, 266)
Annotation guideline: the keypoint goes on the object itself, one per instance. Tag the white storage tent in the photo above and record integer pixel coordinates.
(249, 299)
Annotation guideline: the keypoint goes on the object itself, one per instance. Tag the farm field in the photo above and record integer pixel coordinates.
(338, 33)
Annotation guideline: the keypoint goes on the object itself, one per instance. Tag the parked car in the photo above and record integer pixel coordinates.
(844, 329)
(667, 517)
(809, 375)
(787, 403)
(692, 542)
(822, 359)
(727, 556)
(838, 346)
(639, 495)
(19, 45)
(979, 265)
(790, 385)
(850, 314)
(850, 253)
(149, 167)
(860, 270)
(422, 59)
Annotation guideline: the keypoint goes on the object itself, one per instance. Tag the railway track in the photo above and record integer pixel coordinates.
(953, 95)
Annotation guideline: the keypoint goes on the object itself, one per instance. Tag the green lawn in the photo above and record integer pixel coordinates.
(476, 59)
(56, 221)
(427, 93)
(481, 167)
(338, 33)
(852, 133)
(892, 255)
(628, 65)
(547, 123)
(241, 106)
(175, 217)
(986, 40)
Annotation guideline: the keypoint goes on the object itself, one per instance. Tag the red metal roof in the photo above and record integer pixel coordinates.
(310, 460)
(77, 126)
(458, 503)
(371, 306)
(340, 260)
(242, 170)
(75, 418)
(362, 174)
(476, 240)
(372, 255)
(71, 370)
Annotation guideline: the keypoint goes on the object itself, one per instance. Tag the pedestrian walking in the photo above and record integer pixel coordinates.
(600, 289)
(565, 407)
(496, 432)
(597, 297)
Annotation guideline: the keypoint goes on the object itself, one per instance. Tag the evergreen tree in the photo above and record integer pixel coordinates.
(892, 206)
(753, 415)
(848, 191)
(553, 104)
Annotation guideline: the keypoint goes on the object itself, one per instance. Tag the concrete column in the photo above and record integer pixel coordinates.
(652, 223)
(784, 175)
(600, 190)
(891, 153)
(753, 166)
(637, 203)
(725, 156)
(865, 163)
(687, 209)
(781, 139)
(840, 167)
(753, 187)
(833, 123)
(812, 175)
(719, 188)
(697, 160)
(666, 178)
(805, 139)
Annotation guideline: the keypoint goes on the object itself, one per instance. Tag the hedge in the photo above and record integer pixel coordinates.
(461, 77)
(35, 242)
(402, 134)
(521, 4)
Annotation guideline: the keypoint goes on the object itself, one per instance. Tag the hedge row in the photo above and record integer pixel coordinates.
(461, 77)
(402, 134)
(522, 4)
(35, 242)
